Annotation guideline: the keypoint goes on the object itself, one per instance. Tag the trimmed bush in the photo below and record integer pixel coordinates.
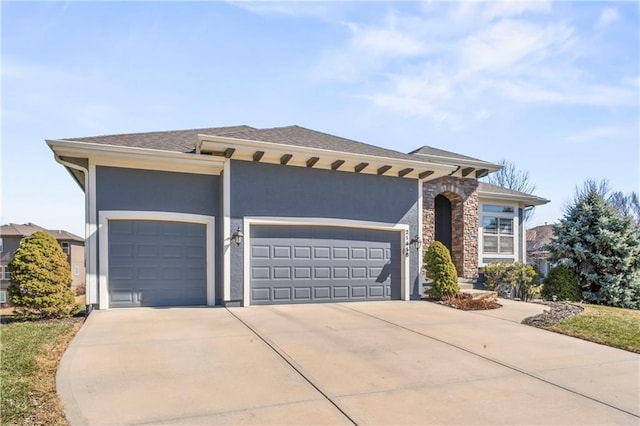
(561, 282)
(439, 267)
(41, 279)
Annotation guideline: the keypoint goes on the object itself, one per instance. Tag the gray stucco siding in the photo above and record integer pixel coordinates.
(151, 190)
(269, 190)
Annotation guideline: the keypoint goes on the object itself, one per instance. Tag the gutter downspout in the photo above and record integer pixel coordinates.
(87, 231)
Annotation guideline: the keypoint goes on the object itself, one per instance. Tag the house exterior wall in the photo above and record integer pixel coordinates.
(150, 190)
(463, 195)
(269, 190)
(77, 263)
(9, 247)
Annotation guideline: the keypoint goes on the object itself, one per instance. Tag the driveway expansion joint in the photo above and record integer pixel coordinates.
(294, 365)
(496, 361)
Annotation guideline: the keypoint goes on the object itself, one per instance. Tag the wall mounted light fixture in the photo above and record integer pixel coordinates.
(238, 236)
(416, 242)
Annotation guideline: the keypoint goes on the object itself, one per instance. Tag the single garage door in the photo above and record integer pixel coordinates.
(157, 263)
(302, 264)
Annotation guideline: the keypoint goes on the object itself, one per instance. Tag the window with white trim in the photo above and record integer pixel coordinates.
(498, 235)
(1, 246)
(65, 247)
(499, 229)
(76, 270)
(3, 296)
(5, 275)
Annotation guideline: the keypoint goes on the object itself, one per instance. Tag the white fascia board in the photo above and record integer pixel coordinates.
(213, 143)
(461, 162)
(142, 158)
(524, 200)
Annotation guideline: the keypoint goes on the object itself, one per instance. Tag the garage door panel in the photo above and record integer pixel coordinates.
(301, 264)
(157, 263)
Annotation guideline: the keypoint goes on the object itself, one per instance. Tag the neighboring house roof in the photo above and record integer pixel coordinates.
(537, 239)
(493, 191)
(23, 230)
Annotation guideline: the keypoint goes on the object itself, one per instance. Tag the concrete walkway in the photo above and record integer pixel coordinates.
(362, 363)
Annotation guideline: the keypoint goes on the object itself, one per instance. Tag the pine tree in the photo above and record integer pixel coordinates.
(41, 279)
(602, 248)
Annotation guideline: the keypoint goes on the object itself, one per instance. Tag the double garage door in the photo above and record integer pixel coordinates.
(303, 264)
(161, 263)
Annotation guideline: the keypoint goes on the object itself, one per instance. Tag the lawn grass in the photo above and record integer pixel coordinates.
(30, 353)
(609, 326)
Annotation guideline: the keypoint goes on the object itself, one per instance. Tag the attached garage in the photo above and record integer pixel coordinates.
(157, 263)
(314, 264)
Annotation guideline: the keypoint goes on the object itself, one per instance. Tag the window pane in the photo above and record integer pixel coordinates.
(493, 208)
(490, 225)
(3, 296)
(490, 245)
(506, 245)
(506, 226)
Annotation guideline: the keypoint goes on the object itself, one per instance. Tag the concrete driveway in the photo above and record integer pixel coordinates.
(363, 363)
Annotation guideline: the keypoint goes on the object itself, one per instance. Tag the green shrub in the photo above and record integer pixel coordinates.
(512, 280)
(439, 268)
(561, 282)
(41, 279)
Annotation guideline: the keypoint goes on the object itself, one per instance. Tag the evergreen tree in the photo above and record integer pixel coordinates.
(602, 248)
(41, 279)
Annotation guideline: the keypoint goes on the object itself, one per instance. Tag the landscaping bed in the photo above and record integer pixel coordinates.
(479, 301)
(615, 327)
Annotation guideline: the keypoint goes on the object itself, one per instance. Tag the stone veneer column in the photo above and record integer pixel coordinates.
(463, 195)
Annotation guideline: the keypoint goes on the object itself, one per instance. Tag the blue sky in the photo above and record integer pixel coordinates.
(553, 87)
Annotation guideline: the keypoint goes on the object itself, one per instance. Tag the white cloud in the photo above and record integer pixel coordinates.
(448, 64)
(515, 8)
(508, 43)
(384, 41)
(608, 16)
(605, 133)
(287, 8)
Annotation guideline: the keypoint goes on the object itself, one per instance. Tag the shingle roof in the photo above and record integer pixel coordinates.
(429, 150)
(26, 229)
(303, 137)
(494, 189)
(173, 140)
(185, 140)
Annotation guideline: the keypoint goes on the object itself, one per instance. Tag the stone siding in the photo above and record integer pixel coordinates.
(463, 195)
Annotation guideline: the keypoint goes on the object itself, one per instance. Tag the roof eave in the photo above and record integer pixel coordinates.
(526, 200)
(245, 149)
(478, 164)
(133, 156)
